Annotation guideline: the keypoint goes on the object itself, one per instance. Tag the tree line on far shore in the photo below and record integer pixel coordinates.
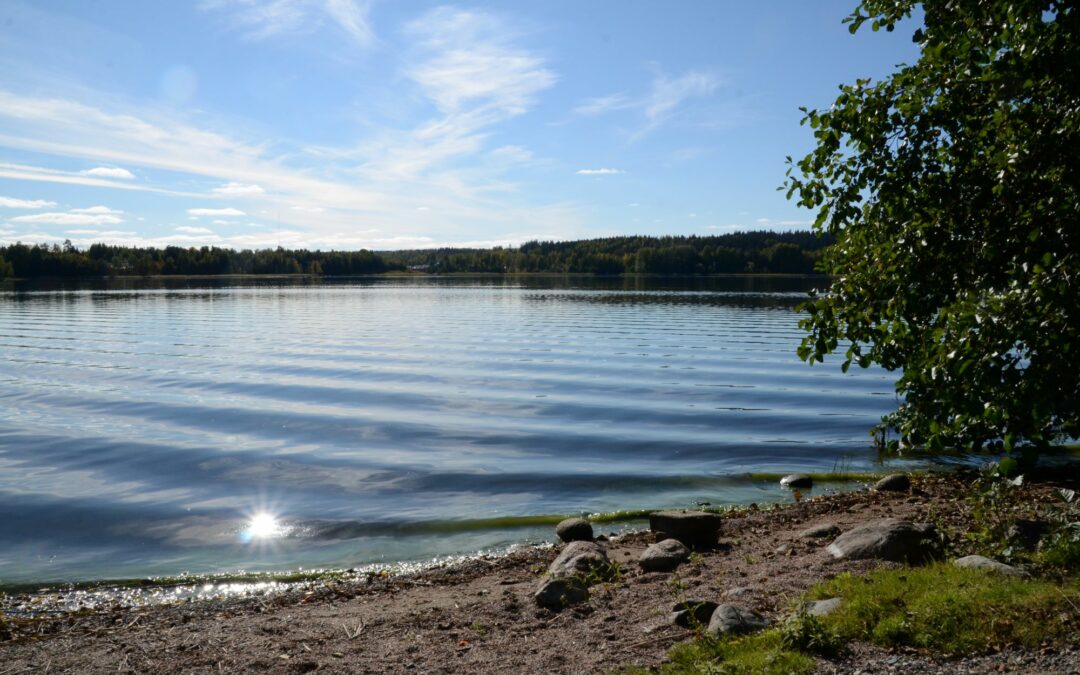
(736, 253)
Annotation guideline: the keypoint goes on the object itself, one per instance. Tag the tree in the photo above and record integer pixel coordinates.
(952, 189)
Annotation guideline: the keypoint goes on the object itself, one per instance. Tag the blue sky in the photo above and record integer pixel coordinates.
(399, 124)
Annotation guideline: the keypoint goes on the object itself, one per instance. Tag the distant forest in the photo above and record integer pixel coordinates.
(736, 253)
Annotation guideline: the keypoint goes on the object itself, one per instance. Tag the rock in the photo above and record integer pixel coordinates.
(561, 592)
(579, 558)
(574, 529)
(664, 556)
(979, 562)
(820, 531)
(738, 592)
(897, 482)
(824, 607)
(797, 480)
(888, 539)
(692, 612)
(735, 619)
(696, 529)
(1026, 533)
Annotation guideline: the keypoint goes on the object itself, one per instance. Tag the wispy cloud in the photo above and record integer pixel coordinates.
(598, 172)
(769, 222)
(109, 172)
(194, 230)
(260, 19)
(96, 215)
(239, 189)
(215, 212)
(665, 96)
(13, 203)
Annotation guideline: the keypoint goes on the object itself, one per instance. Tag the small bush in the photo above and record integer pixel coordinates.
(807, 633)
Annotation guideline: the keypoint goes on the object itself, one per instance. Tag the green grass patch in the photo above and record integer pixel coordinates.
(760, 653)
(952, 610)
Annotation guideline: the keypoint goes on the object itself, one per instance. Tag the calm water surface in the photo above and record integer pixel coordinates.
(143, 425)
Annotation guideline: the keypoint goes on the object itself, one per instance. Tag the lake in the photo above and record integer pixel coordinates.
(158, 427)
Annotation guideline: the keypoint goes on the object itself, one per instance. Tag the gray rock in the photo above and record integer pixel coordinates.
(820, 531)
(824, 607)
(738, 592)
(561, 592)
(574, 529)
(797, 480)
(1026, 533)
(979, 562)
(692, 612)
(888, 539)
(664, 556)
(695, 529)
(579, 558)
(735, 619)
(897, 482)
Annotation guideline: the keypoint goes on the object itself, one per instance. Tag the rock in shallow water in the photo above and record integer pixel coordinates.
(889, 539)
(736, 620)
(574, 529)
(896, 482)
(797, 480)
(664, 556)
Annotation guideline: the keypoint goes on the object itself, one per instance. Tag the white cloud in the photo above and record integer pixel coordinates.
(232, 189)
(769, 222)
(69, 218)
(193, 230)
(308, 209)
(261, 19)
(100, 233)
(598, 172)
(215, 212)
(109, 172)
(13, 203)
(222, 222)
(516, 154)
(98, 210)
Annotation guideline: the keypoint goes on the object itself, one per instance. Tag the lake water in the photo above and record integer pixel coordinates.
(144, 425)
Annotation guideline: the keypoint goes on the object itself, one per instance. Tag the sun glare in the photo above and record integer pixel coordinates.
(263, 526)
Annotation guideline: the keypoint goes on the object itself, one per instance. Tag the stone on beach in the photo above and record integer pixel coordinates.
(979, 562)
(888, 539)
(897, 482)
(736, 620)
(664, 556)
(696, 529)
(560, 592)
(820, 531)
(574, 529)
(693, 612)
(579, 558)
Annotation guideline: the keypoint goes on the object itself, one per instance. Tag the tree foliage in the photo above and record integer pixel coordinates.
(952, 189)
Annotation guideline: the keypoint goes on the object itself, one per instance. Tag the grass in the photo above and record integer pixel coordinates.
(940, 608)
(952, 610)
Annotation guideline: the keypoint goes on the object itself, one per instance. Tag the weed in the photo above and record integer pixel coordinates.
(807, 633)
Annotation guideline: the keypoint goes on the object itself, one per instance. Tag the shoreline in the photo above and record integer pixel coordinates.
(479, 615)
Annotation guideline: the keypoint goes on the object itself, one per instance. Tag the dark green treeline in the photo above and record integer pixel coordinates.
(741, 252)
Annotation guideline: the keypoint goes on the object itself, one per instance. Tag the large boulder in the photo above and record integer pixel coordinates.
(979, 562)
(734, 619)
(574, 529)
(664, 556)
(897, 482)
(889, 539)
(696, 529)
(692, 612)
(579, 558)
(560, 592)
